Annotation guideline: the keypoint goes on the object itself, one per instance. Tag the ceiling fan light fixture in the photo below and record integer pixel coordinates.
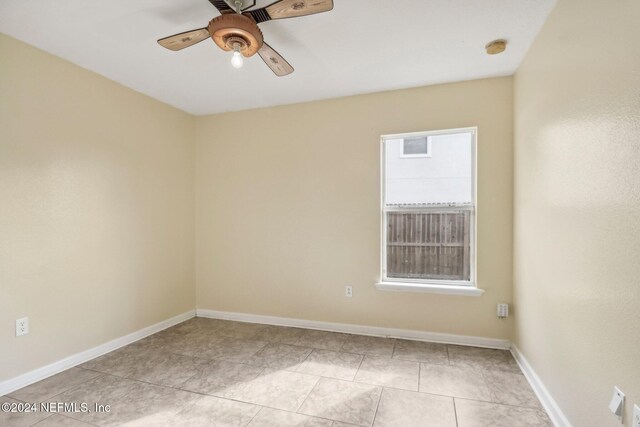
(236, 29)
(236, 60)
(231, 29)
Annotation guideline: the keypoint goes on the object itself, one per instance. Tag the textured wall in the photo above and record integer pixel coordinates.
(287, 208)
(577, 207)
(96, 209)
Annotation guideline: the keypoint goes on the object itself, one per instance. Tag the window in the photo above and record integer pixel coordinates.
(416, 147)
(428, 210)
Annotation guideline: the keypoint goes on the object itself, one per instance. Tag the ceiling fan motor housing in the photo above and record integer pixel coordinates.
(233, 29)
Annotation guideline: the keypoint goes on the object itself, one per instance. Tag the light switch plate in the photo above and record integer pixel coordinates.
(636, 416)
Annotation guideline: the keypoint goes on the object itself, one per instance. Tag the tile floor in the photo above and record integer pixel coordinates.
(223, 373)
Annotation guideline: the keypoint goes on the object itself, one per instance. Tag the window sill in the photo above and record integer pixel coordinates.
(469, 291)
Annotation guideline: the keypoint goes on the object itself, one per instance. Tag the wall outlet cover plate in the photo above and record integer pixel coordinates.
(617, 403)
(22, 326)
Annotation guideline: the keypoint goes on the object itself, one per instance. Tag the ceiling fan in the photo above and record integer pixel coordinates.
(236, 29)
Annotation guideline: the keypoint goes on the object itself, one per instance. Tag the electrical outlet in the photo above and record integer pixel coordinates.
(502, 311)
(22, 326)
(636, 416)
(348, 291)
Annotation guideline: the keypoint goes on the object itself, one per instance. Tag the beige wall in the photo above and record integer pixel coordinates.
(577, 207)
(287, 208)
(96, 209)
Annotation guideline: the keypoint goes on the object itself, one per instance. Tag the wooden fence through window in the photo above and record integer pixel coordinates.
(433, 245)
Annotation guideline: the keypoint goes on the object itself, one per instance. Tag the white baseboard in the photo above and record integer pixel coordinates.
(553, 410)
(39, 374)
(358, 329)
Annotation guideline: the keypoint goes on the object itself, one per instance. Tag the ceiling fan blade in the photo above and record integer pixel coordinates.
(221, 5)
(186, 39)
(290, 9)
(274, 61)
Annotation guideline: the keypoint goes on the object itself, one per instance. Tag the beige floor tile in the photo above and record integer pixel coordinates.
(202, 324)
(57, 420)
(471, 413)
(130, 401)
(276, 389)
(281, 334)
(167, 369)
(205, 411)
(389, 372)
(511, 389)
(189, 324)
(375, 346)
(322, 339)
(221, 324)
(455, 381)
(193, 343)
(220, 377)
(485, 358)
(161, 338)
(332, 364)
(268, 417)
(280, 356)
(419, 351)
(53, 385)
(402, 408)
(233, 349)
(215, 372)
(123, 361)
(343, 401)
(17, 416)
(239, 330)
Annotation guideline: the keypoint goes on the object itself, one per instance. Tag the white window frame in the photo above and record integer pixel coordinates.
(453, 287)
(414, 156)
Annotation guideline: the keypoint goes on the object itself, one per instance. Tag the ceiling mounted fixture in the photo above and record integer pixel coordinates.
(236, 30)
(495, 47)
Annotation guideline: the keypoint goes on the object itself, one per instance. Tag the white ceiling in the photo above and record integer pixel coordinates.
(361, 46)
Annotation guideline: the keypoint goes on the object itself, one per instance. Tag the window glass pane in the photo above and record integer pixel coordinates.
(444, 178)
(415, 146)
(434, 245)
